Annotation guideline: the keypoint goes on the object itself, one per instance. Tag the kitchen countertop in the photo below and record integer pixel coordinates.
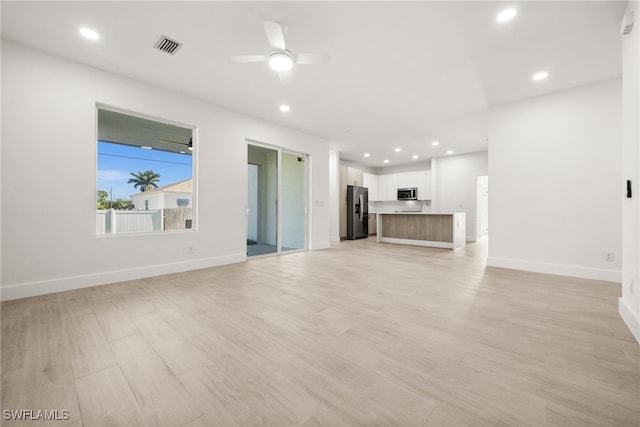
(416, 213)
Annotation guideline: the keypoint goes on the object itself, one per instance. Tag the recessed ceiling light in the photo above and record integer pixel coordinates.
(449, 151)
(506, 15)
(435, 143)
(285, 108)
(146, 147)
(386, 160)
(541, 75)
(183, 152)
(397, 150)
(89, 33)
(415, 156)
(367, 154)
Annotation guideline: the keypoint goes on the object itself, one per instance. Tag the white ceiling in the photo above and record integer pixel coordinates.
(402, 74)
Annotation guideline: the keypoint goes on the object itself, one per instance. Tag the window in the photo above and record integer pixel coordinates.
(144, 175)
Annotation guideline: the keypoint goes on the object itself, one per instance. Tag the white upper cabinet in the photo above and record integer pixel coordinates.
(370, 181)
(405, 180)
(388, 187)
(424, 185)
(385, 187)
(418, 179)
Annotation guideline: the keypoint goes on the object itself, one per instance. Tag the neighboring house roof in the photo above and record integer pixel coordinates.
(185, 186)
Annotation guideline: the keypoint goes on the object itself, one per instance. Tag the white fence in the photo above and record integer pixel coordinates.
(120, 221)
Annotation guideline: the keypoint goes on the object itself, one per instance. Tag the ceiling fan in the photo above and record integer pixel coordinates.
(279, 57)
(189, 144)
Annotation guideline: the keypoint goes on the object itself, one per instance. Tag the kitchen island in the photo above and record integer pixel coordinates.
(440, 230)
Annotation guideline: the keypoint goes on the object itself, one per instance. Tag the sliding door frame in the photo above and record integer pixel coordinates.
(279, 151)
(305, 158)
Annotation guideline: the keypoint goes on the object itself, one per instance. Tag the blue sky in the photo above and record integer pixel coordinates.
(116, 162)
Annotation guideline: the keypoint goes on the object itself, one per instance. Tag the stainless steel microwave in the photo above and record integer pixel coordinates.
(408, 193)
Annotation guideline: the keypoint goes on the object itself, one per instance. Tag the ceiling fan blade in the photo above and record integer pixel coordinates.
(173, 142)
(249, 58)
(275, 35)
(312, 58)
(285, 77)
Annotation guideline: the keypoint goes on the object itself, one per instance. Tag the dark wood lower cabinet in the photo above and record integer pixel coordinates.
(372, 224)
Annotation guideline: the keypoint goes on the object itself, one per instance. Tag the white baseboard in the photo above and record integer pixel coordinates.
(558, 269)
(334, 239)
(427, 243)
(632, 320)
(320, 245)
(25, 290)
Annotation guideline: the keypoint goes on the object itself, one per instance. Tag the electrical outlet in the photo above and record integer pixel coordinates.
(608, 256)
(190, 250)
(631, 286)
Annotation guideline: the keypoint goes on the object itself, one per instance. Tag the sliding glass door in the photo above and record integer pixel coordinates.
(262, 228)
(277, 200)
(294, 201)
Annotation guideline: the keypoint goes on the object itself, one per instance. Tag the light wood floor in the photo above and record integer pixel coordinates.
(363, 334)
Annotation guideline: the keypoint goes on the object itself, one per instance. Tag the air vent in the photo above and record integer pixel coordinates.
(165, 44)
(627, 23)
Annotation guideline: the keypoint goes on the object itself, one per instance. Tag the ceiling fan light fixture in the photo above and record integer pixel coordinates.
(281, 61)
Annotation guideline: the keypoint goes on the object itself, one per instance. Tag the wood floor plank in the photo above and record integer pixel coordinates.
(173, 347)
(22, 390)
(362, 334)
(90, 351)
(106, 400)
(161, 396)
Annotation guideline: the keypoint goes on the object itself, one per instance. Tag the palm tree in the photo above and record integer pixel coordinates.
(144, 180)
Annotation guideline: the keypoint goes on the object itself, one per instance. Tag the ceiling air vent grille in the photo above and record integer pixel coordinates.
(165, 44)
(627, 24)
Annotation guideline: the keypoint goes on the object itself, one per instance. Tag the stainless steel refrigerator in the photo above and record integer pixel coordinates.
(357, 212)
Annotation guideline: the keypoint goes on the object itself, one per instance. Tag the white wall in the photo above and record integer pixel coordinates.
(456, 183)
(554, 171)
(48, 144)
(334, 195)
(629, 303)
(357, 165)
(171, 199)
(482, 205)
(156, 201)
(407, 167)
